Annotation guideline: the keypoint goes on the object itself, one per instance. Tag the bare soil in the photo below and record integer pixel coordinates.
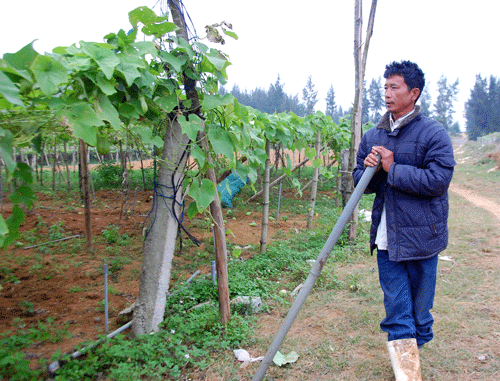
(69, 285)
(328, 350)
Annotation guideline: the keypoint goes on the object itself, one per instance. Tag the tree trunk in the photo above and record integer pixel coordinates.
(85, 192)
(66, 159)
(215, 207)
(265, 208)
(159, 245)
(314, 189)
(360, 58)
(344, 177)
(54, 164)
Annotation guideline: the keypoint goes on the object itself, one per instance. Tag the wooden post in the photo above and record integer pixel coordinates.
(360, 57)
(265, 208)
(85, 192)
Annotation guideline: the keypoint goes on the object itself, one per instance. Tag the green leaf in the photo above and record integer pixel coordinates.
(83, 119)
(192, 127)
(221, 142)
(6, 140)
(21, 61)
(199, 156)
(203, 193)
(128, 66)
(174, 61)
(147, 137)
(9, 90)
(23, 172)
(106, 86)
(219, 61)
(167, 103)
(212, 101)
(230, 34)
(105, 58)
(13, 222)
(280, 359)
(23, 195)
(192, 210)
(159, 29)
(106, 111)
(49, 73)
(310, 153)
(317, 163)
(153, 24)
(3, 228)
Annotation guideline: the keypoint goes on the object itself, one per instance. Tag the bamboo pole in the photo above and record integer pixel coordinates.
(265, 209)
(315, 271)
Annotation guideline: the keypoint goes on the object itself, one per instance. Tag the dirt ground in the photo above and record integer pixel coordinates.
(69, 286)
(49, 278)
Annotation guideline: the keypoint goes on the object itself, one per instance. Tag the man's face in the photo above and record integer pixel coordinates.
(398, 99)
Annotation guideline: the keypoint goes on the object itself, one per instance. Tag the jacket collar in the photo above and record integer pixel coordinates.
(385, 123)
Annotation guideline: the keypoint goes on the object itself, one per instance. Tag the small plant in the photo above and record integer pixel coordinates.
(28, 307)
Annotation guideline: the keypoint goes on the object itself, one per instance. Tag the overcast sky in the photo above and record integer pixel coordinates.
(295, 39)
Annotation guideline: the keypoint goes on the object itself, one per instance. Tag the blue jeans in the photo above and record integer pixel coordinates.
(409, 289)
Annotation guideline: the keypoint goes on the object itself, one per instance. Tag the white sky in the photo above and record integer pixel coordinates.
(294, 39)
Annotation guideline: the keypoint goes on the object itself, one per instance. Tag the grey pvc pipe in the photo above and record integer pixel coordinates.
(315, 271)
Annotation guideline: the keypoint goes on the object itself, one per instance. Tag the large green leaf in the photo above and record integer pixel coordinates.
(280, 359)
(13, 223)
(147, 137)
(6, 140)
(83, 119)
(199, 156)
(49, 73)
(105, 58)
(173, 61)
(153, 24)
(167, 103)
(106, 111)
(107, 86)
(191, 127)
(128, 66)
(20, 61)
(221, 142)
(9, 90)
(202, 192)
(212, 101)
(23, 195)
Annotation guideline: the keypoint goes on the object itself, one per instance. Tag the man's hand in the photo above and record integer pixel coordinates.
(386, 155)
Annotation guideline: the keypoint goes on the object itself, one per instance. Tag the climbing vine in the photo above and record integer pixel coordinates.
(96, 89)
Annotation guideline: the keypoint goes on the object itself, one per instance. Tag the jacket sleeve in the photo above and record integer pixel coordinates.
(363, 150)
(435, 176)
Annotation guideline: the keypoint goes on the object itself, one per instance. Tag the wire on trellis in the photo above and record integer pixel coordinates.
(160, 195)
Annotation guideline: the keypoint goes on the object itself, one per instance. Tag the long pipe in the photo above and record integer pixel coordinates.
(315, 271)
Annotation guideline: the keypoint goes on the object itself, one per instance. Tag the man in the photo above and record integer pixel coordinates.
(410, 212)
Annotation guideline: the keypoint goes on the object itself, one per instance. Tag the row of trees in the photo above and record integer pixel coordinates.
(275, 99)
(482, 110)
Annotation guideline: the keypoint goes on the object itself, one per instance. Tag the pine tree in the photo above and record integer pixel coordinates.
(276, 97)
(331, 106)
(425, 102)
(443, 108)
(376, 96)
(477, 110)
(309, 96)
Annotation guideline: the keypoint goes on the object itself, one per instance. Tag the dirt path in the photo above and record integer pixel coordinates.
(479, 201)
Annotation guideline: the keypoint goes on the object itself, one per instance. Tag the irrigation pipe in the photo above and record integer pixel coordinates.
(315, 271)
(56, 240)
(53, 367)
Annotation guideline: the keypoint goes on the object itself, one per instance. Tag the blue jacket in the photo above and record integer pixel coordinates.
(415, 189)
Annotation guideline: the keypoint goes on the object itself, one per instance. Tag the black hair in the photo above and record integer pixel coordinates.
(414, 76)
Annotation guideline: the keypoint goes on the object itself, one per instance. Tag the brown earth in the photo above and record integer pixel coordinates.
(66, 282)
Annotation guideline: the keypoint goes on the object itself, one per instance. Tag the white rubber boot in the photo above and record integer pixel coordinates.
(405, 359)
